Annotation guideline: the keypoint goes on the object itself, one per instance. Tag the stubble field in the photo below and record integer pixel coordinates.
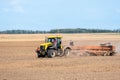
(18, 60)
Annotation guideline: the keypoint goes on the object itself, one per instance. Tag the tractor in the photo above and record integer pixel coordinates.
(52, 47)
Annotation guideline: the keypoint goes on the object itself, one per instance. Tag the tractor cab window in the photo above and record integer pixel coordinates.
(51, 40)
(59, 43)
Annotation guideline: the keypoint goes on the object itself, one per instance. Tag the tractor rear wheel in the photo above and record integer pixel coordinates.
(67, 52)
(51, 53)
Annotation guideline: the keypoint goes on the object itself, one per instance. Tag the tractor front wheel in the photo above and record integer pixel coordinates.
(51, 53)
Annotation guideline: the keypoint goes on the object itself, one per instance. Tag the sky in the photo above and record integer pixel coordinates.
(57, 14)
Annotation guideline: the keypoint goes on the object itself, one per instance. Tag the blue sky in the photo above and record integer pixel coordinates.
(57, 14)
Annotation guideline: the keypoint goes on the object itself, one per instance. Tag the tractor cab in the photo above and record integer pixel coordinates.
(55, 40)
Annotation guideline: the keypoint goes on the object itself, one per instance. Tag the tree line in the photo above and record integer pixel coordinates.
(21, 32)
(77, 30)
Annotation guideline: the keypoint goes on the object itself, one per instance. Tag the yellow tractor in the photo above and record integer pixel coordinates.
(52, 47)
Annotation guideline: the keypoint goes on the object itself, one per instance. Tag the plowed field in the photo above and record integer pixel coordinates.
(18, 60)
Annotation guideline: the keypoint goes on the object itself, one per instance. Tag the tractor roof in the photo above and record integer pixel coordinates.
(54, 36)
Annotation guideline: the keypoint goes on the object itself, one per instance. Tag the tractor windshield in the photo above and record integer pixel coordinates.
(51, 40)
(58, 40)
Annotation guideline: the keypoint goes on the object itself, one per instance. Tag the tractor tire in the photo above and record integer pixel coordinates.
(51, 53)
(67, 52)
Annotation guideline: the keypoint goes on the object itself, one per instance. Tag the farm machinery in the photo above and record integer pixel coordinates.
(52, 47)
(105, 49)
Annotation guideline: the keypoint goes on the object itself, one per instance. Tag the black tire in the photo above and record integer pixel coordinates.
(67, 52)
(112, 53)
(51, 53)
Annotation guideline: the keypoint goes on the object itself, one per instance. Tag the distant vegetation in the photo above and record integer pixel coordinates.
(77, 30)
(21, 32)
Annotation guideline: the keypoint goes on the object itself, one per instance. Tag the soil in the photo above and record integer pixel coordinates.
(18, 60)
